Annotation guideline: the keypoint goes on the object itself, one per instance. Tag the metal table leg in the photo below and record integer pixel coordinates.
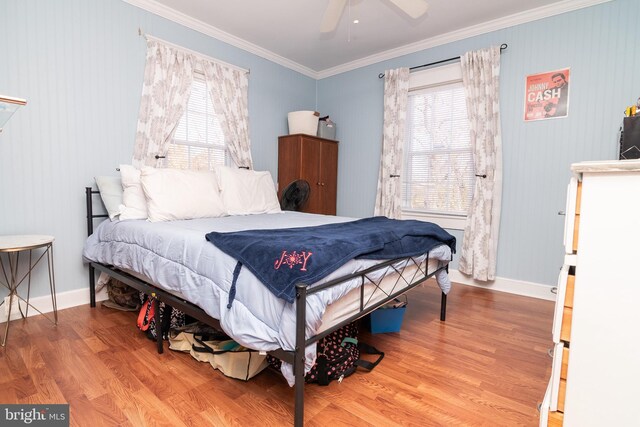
(13, 282)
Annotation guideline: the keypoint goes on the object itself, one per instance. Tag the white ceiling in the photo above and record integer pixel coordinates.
(287, 31)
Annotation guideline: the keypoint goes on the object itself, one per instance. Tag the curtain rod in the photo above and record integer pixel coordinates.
(193, 52)
(503, 46)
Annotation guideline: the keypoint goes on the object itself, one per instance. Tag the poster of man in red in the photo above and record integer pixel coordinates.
(547, 95)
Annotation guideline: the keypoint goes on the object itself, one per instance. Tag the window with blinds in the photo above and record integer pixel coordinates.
(198, 142)
(438, 174)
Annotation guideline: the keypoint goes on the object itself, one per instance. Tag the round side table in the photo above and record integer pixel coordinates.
(10, 249)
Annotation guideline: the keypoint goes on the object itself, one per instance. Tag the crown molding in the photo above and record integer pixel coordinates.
(209, 30)
(453, 36)
(487, 27)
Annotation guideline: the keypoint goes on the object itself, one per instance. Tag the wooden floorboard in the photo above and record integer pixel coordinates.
(486, 365)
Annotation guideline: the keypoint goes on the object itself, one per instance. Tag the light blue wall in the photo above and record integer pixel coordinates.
(80, 66)
(599, 43)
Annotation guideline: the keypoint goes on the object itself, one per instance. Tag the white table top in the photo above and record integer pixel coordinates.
(24, 242)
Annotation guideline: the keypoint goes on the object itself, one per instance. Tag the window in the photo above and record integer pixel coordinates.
(438, 176)
(198, 142)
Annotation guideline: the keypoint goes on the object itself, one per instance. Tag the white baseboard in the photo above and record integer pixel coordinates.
(78, 297)
(502, 284)
(64, 300)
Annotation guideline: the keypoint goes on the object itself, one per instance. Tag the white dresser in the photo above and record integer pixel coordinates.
(595, 376)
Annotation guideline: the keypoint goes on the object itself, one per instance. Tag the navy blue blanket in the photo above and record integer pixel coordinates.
(284, 257)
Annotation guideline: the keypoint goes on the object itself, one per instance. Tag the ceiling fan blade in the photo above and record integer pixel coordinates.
(332, 15)
(413, 8)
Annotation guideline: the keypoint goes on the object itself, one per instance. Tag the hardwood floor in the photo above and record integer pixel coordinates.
(486, 365)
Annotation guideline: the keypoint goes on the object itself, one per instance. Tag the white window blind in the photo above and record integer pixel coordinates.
(438, 175)
(198, 142)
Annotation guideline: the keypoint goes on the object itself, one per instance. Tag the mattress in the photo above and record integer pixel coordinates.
(176, 257)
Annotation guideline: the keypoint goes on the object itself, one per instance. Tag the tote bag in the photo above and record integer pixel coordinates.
(227, 356)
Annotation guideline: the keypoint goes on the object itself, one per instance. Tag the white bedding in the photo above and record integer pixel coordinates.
(176, 257)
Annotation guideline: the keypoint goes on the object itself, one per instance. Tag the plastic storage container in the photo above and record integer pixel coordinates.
(327, 129)
(387, 319)
(303, 122)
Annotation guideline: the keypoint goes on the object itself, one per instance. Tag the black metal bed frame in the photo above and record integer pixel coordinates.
(297, 356)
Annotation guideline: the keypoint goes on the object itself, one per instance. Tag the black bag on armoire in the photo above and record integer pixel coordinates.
(630, 138)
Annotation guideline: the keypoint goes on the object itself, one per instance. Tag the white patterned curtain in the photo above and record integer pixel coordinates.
(396, 96)
(480, 76)
(168, 76)
(228, 88)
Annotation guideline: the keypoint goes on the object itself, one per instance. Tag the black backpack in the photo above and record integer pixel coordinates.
(338, 356)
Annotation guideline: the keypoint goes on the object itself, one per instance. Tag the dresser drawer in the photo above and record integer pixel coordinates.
(564, 305)
(561, 395)
(565, 330)
(549, 417)
(558, 383)
(556, 419)
(568, 298)
(578, 197)
(544, 407)
(572, 208)
(565, 363)
(556, 374)
(576, 218)
(560, 301)
(576, 229)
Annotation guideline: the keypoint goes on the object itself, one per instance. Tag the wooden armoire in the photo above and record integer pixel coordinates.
(315, 160)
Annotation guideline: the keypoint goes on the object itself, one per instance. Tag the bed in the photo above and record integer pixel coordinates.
(174, 262)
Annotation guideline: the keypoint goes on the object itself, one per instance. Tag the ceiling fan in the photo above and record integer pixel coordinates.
(413, 8)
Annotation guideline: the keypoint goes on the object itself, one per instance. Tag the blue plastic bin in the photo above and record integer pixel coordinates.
(386, 320)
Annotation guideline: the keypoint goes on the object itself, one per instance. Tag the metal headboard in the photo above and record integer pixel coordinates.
(89, 193)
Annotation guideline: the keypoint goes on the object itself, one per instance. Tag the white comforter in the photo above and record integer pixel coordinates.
(176, 257)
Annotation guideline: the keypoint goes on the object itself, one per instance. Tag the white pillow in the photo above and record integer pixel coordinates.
(246, 192)
(110, 188)
(134, 204)
(181, 194)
